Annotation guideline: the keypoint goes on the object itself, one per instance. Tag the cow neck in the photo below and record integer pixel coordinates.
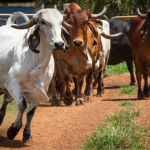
(145, 27)
(43, 57)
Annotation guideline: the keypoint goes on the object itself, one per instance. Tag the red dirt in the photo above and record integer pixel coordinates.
(63, 128)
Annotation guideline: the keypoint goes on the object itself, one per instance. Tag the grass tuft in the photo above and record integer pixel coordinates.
(118, 133)
(126, 104)
(127, 89)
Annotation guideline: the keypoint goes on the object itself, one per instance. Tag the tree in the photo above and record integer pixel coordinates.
(121, 7)
(114, 7)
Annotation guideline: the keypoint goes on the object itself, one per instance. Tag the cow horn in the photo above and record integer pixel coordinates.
(107, 36)
(3, 20)
(104, 17)
(66, 25)
(64, 16)
(143, 16)
(96, 16)
(25, 25)
(65, 30)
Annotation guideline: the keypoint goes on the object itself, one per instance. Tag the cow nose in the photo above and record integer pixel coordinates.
(59, 44)
(77, 43)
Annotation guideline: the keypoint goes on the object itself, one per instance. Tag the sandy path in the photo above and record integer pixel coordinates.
(63, 128)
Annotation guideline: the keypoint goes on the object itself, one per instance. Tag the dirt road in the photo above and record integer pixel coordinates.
(63, 128)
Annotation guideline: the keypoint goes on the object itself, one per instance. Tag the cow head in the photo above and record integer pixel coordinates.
(79, 20)
(48, 26)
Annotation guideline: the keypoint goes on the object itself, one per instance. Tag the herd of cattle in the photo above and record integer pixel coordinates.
(45, 54)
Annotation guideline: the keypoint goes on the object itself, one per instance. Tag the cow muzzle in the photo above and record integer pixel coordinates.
(60, 46)
(77, 42)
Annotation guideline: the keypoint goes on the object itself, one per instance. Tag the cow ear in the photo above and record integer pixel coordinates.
(66, 37)
(98, 23)
(34, 40)
(94, 31)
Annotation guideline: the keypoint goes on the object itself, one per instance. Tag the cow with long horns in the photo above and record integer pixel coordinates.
(27, 64)
(139, 36)
(84, 50)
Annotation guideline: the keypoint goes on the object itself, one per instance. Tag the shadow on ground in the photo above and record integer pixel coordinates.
(5, 142)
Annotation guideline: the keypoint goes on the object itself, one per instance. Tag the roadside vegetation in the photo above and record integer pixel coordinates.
(11, 107)
(126, 104)
(127, 89)
(119, 132)
(117, 69)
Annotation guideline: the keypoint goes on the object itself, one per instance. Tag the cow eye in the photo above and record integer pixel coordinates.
(43, 22)
(86, 22)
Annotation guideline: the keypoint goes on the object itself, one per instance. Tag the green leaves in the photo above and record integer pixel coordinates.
(114, 7)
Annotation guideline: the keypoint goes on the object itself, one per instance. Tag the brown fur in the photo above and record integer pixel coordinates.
(73, 62)
(141, 52)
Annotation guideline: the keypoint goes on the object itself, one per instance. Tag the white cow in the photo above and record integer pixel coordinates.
(27, 64)
(101, 64)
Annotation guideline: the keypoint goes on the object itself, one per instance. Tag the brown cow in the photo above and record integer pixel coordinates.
(139, 37)
(84, 49)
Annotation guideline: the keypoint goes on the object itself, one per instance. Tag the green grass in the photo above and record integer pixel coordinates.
(11, 107)
(120, 132)
(126, 104)
(127, 89)
(118, 69)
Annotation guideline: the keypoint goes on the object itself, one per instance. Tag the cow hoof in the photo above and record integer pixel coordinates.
(100, 95)
(141, 97)
(68, 101)
(88, 99)
(79, 102)
(146, 93)
(12, 132)
(132, 84)
(27, 137)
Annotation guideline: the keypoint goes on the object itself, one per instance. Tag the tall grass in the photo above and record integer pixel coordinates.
(118, 133)
(118, 69)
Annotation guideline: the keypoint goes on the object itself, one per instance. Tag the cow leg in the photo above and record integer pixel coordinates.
(74, 91)
(68, 98)
(62, 92)
(29, 113)
(95, 80)
(79, 96)
(130, 68)
(140, 93)
(100, 89)
(16, 126)
(88, 90)
(7, 99)
(52, 89)
(145, 76)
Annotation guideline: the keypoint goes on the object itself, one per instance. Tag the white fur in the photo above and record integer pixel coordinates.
(104, 55)
(23, 71)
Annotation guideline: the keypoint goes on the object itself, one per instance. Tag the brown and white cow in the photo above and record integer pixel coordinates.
(139, 37)
(83, 51)
(82, 55)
